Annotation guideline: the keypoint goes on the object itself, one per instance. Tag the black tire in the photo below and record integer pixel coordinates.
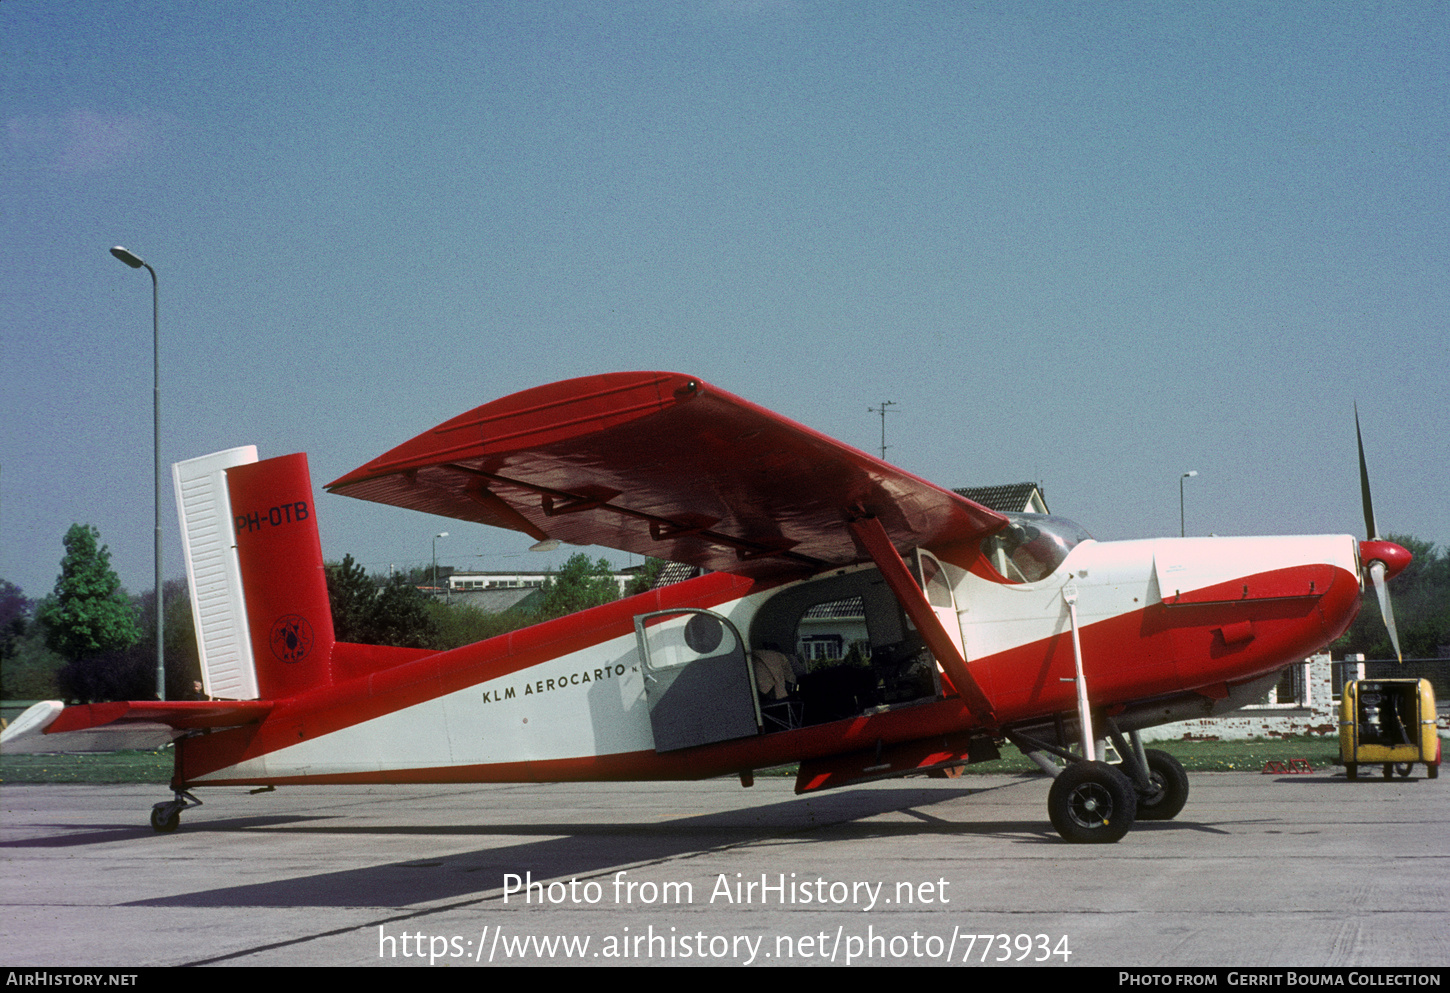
(1169, 788)
(165, 817)
(1402, 769)
(1351, 771)
(1092, 803)
(1389, 770)
(1432, 770)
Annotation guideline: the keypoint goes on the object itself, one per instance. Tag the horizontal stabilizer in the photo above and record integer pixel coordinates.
(51, 726)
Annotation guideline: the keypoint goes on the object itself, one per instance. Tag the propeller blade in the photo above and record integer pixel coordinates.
(1371, 531)
(1377, 574)
(1376, 551)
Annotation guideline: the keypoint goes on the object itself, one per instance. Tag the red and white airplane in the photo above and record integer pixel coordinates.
(942, 628)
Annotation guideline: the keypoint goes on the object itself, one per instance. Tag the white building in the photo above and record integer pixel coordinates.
(467, 581)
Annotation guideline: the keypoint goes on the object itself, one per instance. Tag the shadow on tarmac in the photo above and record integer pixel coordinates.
(566, 850)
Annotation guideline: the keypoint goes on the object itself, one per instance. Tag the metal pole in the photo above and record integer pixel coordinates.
(1182, 531)
(156, 458)
(136, 263)
(440, 534)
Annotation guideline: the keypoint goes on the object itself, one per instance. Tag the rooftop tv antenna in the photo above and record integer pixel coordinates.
(882, 410)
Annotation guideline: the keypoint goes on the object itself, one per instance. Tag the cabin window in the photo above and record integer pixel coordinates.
(938, 589)
(1031, 546)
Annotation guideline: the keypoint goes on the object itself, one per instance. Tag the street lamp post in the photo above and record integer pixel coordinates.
(440, 534)
(136, 263)
(1182, 530)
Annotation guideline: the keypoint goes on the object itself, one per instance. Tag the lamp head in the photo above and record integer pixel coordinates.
(127, 257)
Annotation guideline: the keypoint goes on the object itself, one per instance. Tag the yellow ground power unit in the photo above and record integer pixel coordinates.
(1388, 722)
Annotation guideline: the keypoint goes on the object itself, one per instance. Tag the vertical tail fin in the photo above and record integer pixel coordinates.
(275, 634)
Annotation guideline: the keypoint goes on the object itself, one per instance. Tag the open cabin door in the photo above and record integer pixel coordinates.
(697, 677)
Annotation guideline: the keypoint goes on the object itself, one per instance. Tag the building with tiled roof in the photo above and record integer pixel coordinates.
(1017, 498)
(676, 572)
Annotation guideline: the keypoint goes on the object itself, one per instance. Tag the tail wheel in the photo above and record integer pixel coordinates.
(1092, 803)
(1169, 790)
(165, 817)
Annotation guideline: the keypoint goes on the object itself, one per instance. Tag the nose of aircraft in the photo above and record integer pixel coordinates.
(1395, 557)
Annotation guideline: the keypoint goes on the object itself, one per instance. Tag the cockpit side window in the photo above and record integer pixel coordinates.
(1031, 546)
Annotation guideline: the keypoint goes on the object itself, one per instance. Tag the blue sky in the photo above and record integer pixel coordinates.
(1091, 245)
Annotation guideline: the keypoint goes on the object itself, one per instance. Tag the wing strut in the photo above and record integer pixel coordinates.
(1084, 714)
(870, 533)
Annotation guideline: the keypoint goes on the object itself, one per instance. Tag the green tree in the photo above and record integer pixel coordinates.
(400, 617)
(30, 671)
(130, 673)
(27, 667)
(183, 659)
(350, 593)
(645, 580)
(579, 585)
(460, 624)
(365, 614)
(88, 614)
(15, 609)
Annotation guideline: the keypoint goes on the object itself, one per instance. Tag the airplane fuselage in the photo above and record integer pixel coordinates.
(1167, 621)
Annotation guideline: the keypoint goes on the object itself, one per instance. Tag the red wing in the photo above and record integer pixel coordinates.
(663, 464)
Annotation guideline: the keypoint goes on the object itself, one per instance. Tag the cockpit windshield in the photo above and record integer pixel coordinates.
(1031, 546)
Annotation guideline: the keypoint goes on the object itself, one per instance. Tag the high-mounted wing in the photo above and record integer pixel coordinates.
(662, 464)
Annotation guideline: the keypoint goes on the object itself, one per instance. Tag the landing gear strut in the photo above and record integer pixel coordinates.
(1158, 778)
(166, 816)
(1090, 801)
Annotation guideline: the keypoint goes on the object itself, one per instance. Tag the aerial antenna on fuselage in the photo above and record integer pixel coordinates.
(882, 410)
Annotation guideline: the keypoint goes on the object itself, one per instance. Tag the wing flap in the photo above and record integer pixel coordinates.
(666, 465)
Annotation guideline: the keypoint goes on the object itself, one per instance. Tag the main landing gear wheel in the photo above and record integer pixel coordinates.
(1169, 788)
(1092, 803)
